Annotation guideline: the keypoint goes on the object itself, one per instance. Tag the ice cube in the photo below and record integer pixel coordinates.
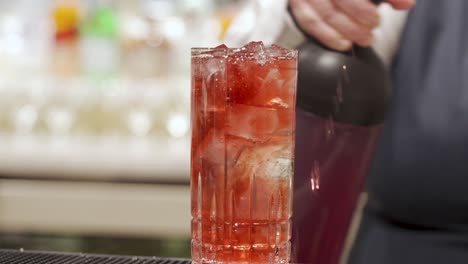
(217, 61)
(221, 47)
(261, 58)
(215, 90)
(257, 49)
(262, 172)
(206, 53)
(254, 46)
(277, 102)
(239, 80)
(212, 147)
(275, 51)
(214, 83)
(218, 148)
(268, 162)
(234, 147)
(252, 122)
(220, 50)
(214, 65)
(271, 81)
(274, 90)
(272, 75)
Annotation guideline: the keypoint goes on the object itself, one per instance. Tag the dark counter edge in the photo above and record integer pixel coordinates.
(8, 256)
(39, 257)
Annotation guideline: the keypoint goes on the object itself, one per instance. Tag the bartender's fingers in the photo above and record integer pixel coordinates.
(363, 11)
(346, 25)
(401, 4)
(311, 22)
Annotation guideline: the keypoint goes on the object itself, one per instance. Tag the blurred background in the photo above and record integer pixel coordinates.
(94, 122)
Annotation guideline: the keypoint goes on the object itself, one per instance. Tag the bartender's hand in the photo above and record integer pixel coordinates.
(339, 23)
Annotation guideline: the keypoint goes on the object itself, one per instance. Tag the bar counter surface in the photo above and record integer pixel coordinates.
(39, 257)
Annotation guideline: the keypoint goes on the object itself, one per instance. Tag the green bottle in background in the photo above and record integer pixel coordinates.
(99, 43)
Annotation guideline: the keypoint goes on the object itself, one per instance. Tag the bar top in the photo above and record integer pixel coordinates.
(36, 257)
(41, 257)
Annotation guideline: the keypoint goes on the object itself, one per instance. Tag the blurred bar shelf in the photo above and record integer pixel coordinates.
(147, 160)
(94, 209)
(111, 130)
(107, 158)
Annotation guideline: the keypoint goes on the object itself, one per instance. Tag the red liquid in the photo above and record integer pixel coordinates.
(242, 148)
(331, 163)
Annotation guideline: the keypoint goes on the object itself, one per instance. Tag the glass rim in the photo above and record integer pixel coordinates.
(208, 52)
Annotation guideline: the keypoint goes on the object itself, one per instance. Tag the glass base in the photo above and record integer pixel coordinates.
(249, 254)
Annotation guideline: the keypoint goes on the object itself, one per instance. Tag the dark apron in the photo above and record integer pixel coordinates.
(418, 187)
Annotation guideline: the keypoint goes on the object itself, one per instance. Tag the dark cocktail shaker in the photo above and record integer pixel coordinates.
(341, 104)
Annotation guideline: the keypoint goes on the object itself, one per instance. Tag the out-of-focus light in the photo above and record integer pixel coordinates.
(13, 44)
(178, 125)
(139, 123)
(59, 120)
(174, 28)
(11, 25)
(327, 60)
(159, 9)
(135, 27)
(25, 118)
(11, 35)
(197, 5)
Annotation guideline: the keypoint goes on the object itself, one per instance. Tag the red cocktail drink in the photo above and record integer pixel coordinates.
(243, 120)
